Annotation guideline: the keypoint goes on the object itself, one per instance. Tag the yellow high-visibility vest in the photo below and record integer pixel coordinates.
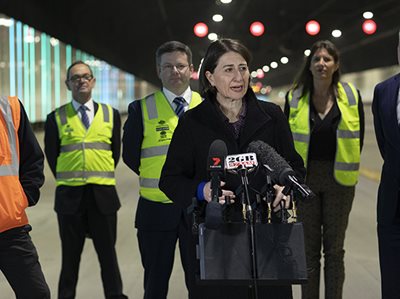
(159, 123)
(347, 158)
(85, 154)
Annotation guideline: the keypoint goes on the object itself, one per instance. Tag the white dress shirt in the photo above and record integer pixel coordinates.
(187, 95)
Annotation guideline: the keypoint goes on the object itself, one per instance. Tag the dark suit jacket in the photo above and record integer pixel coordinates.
(68, 198)
(387, 133)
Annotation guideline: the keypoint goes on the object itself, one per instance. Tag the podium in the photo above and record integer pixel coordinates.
(225, 254)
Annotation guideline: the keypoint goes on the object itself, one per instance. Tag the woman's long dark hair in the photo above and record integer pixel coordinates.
(213, 54)
(305, 78)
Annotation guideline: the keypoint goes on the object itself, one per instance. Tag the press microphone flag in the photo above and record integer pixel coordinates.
(247, 160)
(215, 165)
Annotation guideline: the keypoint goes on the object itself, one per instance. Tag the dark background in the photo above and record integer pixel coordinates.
(126, 33)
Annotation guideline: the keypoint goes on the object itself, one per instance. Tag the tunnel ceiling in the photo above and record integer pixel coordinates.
(126, 33)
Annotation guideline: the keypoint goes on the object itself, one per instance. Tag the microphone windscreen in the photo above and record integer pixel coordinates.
(213, 219)
(218, 148)
(268, 156)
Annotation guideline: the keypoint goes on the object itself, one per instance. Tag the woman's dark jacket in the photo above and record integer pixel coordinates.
(186, 167)
(186, 164)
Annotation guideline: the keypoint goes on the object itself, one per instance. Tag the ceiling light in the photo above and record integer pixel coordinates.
(212, 36)
(368, 15)
(253, 74)
(336, 33)
(274, 64)
(307, 52)
(257, 28)
(266, 68)
(312, 27)
(369, 27)
(225, 1)
(284, 60)
(217, 18)
(200, 29)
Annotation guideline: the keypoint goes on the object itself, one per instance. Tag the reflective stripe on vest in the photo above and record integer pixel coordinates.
(347, 158)
(85, 154)
(85, 145)
(84, 174)
(159, 123)
(13, 168)
(13, 200)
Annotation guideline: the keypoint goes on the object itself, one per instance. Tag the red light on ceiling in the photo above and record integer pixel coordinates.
(312, 27)
(257, 28)
(200, 29)
(369, 27)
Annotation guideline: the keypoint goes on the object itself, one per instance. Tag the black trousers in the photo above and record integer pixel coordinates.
(389, 258)
(157, 251)
(19, 263)
(73, 230)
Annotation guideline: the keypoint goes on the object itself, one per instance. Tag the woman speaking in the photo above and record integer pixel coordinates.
(232, 113)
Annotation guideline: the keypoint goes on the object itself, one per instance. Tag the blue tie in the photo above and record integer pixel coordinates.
(84, 117)
(180, 106)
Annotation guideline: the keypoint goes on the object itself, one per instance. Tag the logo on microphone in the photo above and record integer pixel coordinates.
(215, 163)
(247, 160)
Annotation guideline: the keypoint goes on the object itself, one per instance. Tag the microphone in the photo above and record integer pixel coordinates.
(277, 167)
(242, 164)
(215, 165)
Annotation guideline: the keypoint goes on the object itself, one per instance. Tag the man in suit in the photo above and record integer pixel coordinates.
(147, 134)
(386, 111)
(82, 146)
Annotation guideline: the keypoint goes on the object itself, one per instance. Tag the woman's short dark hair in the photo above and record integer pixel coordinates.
(210, 61)
(172, 46)
(305, 77)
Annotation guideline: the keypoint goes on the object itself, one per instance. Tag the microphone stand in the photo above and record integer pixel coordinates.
(269, 196)
(249, 213)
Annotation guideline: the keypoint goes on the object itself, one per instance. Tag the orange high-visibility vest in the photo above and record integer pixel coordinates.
(13, 200)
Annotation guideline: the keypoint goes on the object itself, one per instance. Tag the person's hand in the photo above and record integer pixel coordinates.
(279, 198)
(221, 199)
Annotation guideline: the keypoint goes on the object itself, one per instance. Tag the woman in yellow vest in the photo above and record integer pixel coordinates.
(326, 118)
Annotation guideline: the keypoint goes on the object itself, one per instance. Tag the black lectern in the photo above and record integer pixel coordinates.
(225, 257)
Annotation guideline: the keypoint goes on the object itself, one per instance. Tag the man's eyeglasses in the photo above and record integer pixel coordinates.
(171, 67)
(77, 78)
